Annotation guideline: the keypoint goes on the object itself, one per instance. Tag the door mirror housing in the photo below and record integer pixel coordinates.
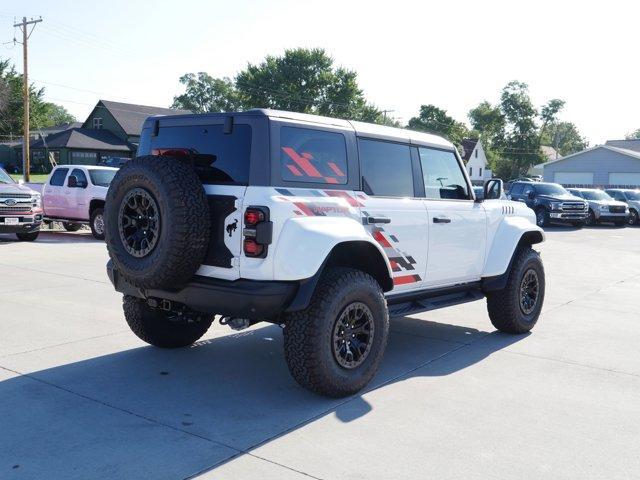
(531, 195)
(493, 189)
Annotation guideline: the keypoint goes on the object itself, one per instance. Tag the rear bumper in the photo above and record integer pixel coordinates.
(27, 223)
(241, 298)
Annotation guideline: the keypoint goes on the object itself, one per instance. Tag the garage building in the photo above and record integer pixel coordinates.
(601, 166)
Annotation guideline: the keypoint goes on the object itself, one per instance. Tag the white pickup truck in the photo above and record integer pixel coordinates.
(75, 194)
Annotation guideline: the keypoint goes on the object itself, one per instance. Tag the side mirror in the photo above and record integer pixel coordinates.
(72, 182)
(493, 189)
(531, 195)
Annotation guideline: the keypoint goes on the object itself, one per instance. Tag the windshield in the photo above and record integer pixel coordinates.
(4, 177)
(595, 195)
(102, 178)
(632, 195)
(550, 189)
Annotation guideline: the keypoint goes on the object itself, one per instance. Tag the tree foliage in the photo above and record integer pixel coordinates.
(301, 80)
(564, 137)
(633, 135)
(513, 130)
(435, 120)
(41, 114)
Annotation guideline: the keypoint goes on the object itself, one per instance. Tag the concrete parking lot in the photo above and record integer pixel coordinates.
(82, 397)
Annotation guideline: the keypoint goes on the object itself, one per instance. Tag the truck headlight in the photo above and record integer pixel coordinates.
(37, 201)
(556, 205)
(604, 208)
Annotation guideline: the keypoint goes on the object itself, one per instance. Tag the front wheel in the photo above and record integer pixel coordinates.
(335, 346)
(591, 219)
(633, 217)
(97, 224)
(27, 237)
(542, 217)
(516, 308)
(164, 329)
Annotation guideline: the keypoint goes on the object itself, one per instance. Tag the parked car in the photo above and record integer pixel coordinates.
(551, 202)
(631, 198)
(20, 209)
(322, 225)
(75, 195)
(115, 162)
(602, 207)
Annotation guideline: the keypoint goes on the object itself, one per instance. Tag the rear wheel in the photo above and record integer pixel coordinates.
(97, 223)
(71, 227)
(335, 346)
(27, 237)
(164, 329)
(158, 222)
(516, 308)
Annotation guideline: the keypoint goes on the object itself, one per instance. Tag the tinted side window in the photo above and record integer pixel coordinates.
(527, 189)
(314, 156)
(443, 178)
(386, 168)
(57, 179)
(517, 188)
(219, 157)
(82, 178)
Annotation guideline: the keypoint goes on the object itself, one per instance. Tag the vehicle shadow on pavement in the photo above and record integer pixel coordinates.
(53, 236)
(229, 393)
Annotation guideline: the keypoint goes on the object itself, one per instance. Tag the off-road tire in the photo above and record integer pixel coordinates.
(184, 229)
(308, 334)
(504, 305)
(95, 216)
(71, 227)
(27, 237)
(155, 326)
(542, 217)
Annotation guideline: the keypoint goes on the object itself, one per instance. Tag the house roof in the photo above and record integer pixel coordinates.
(84, 138)
(633, 144)
(549, 153)
(131, 116)
(468, 144)
(58, 128)
(623, 151)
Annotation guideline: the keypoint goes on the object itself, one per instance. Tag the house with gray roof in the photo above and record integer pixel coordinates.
(112, 130)
(599, 166)
(630, 144)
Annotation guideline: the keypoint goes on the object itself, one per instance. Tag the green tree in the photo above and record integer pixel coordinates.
(564, 137)
(435, 120)
(41, 114)
(633, 135)
(301, 80)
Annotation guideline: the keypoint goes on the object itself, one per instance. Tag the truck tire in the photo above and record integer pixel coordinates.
(28, 237)
(348, 306)
(96, 223)
(591, 219)
(164, 329)
(71, 227)
(542, 217)
(633, 217)
(516, 308)
(158, 219)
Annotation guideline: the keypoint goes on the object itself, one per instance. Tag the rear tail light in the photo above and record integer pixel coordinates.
(257, 232)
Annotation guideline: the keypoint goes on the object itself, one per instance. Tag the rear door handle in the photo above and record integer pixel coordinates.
(371, 220)
(441, 220)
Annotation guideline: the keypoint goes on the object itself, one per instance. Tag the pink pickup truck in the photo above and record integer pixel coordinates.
(74, 195)
(20, 209)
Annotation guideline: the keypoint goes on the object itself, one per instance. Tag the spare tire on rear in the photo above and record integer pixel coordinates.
(157, 222)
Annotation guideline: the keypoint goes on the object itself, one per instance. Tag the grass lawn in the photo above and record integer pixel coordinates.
(34, 177)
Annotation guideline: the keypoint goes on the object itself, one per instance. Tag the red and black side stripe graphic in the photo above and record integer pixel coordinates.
(303, 168)
(310, 208)
(399, 262)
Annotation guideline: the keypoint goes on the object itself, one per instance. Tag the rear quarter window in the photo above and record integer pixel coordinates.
(223, 158)
(313, 156)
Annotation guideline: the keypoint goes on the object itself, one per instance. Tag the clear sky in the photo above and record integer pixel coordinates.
(451, 53)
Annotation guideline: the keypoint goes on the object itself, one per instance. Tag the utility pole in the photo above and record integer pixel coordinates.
(26, 163)
(384, 114)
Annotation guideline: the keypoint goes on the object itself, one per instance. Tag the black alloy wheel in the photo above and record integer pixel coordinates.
(139, 222)
(529, 290)
(353, 335)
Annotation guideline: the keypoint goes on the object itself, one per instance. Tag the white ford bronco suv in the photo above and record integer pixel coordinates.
(323, 226)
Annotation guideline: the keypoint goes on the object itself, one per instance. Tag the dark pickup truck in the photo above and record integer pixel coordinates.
(551, 202)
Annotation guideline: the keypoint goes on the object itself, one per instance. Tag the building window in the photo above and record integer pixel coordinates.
(471, 171)
(477, 155)
(97, 123)
(480, 174)
(84, 158)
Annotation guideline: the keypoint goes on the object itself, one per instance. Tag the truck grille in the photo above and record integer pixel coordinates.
(13, 210)
(616, 209)
(573, 206)
(15, 195)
